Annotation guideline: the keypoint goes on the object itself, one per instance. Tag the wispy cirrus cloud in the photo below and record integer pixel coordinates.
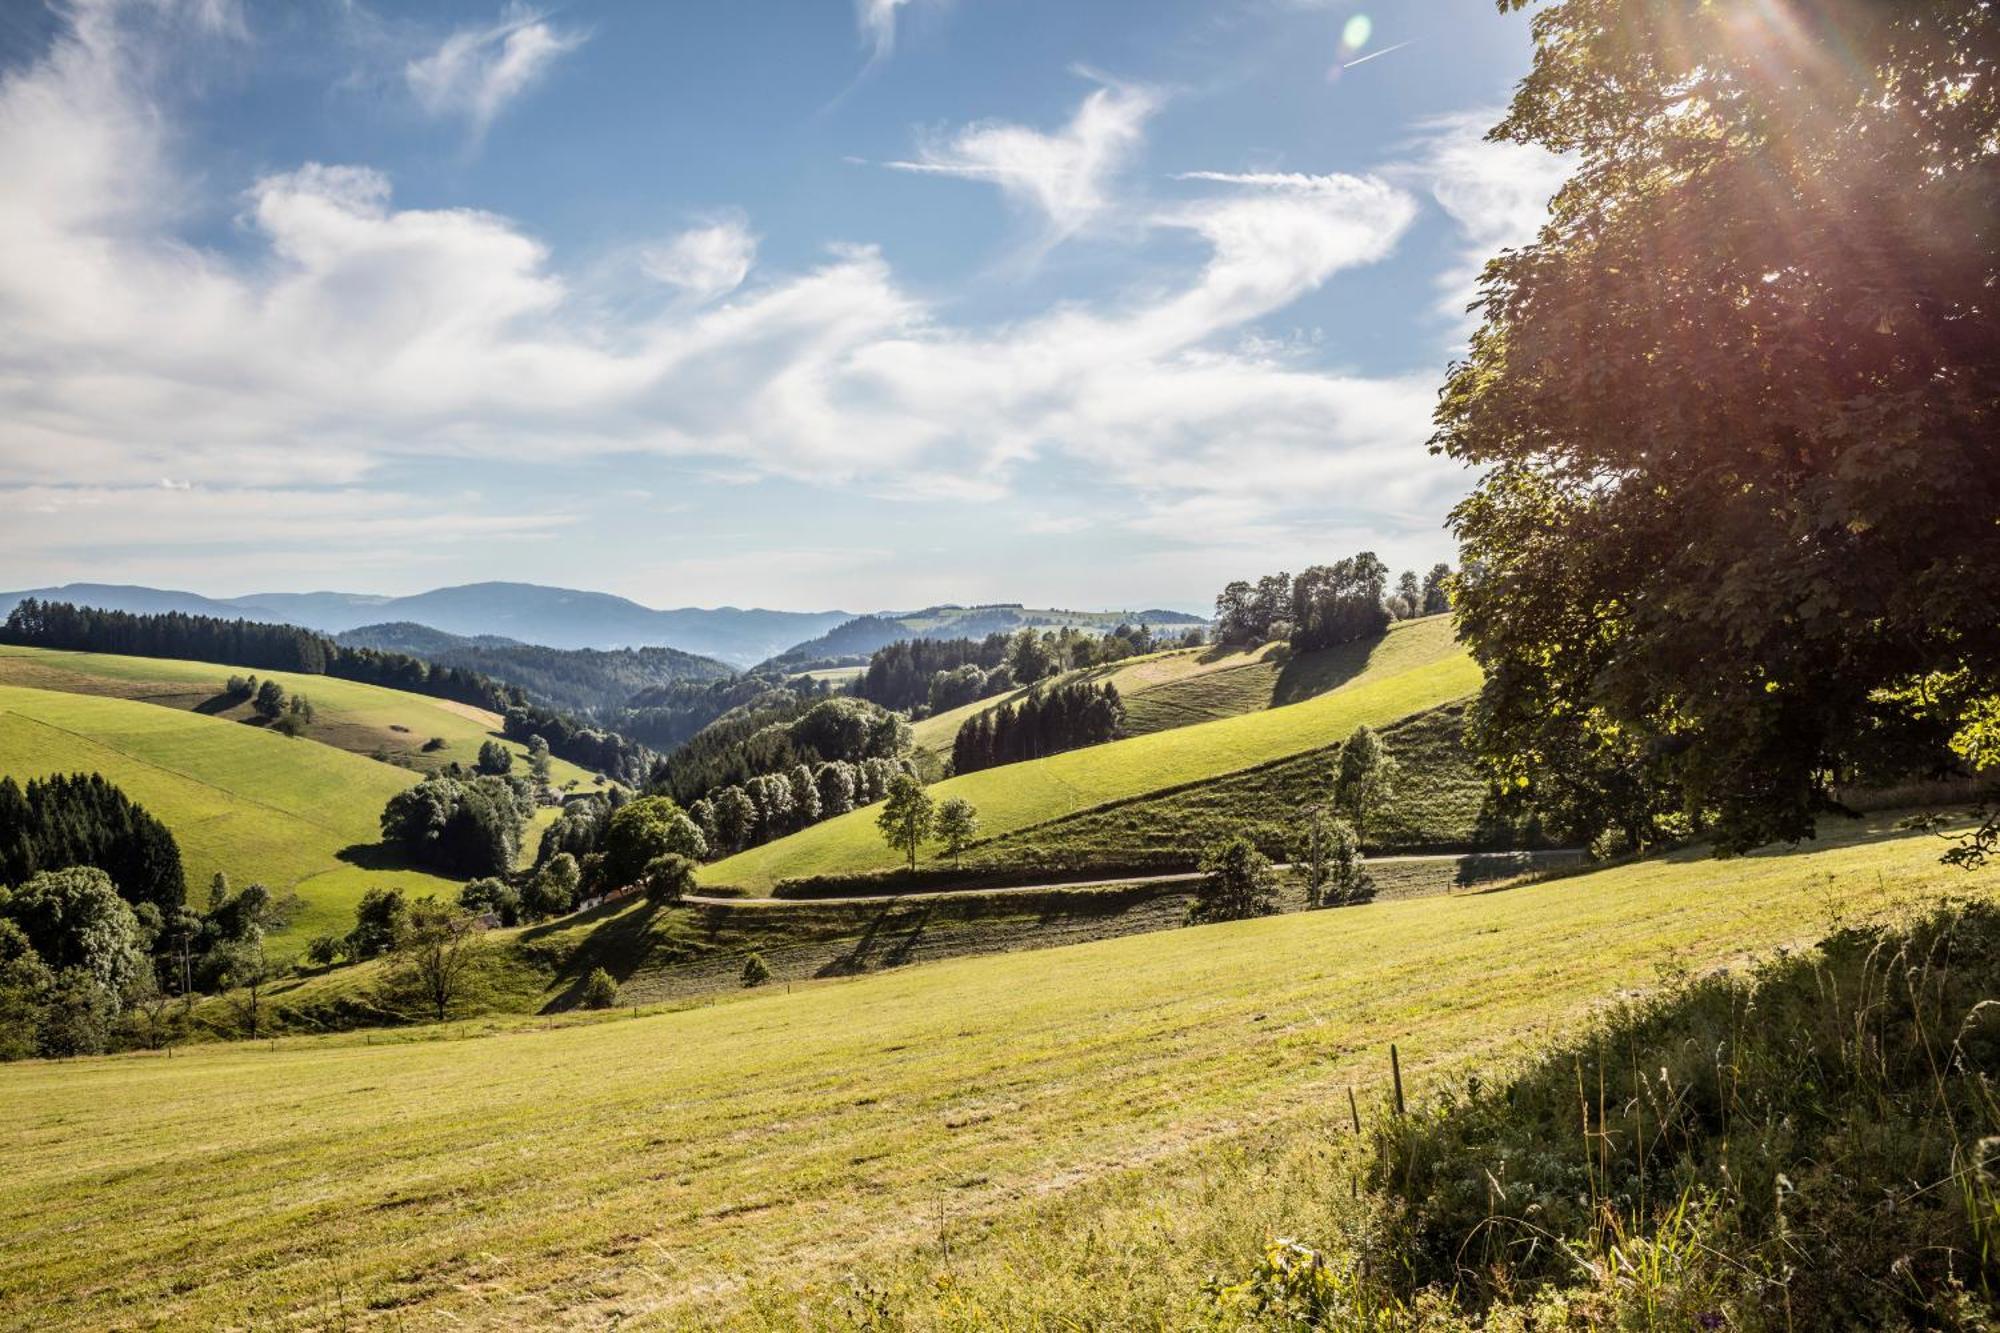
(1066, 175)
(877, 20)
(1496, 193)
(476, 71)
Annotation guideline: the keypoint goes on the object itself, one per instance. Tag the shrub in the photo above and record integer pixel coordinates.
(1237, 883)
(755, 973)
(600, 989)
(669, 878)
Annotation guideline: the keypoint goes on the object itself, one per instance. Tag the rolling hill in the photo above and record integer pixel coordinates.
(1181, 686)
(363, 719)
(297, 816)
(530, 613)
(571, 680)
(1041, 1140)
(1415, 667)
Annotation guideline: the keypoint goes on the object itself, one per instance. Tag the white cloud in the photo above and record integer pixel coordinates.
(877, 19)
(476, 71)
(705, 262)
(354, 336)
(1497, 193)
(1065, 175)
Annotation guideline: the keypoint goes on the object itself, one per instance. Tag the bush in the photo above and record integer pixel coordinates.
(600, 989)
(1237, 883)
(755, 973)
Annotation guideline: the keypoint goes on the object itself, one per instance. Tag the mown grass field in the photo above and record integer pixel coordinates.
(1182, 686)
(1061, 1139)
(349, 715)
(1414, 668)
(1438, 800)
(251, 803)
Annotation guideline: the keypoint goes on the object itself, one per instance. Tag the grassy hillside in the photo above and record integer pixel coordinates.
(1405, 673)
(299, 817)
(1182, 686)
(1051, 1140)
(1438, 801)
(363, 719)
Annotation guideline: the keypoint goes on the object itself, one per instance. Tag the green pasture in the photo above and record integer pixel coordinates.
(1414, 668)
(296, 816)
(1066, 1138)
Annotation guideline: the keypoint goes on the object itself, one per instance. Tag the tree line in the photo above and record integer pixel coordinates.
(1044, 722)
(929, 676)
(249, 643)
(1326, 605)
(99, 947)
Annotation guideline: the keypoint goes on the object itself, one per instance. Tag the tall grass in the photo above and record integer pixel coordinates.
(1814, 1145)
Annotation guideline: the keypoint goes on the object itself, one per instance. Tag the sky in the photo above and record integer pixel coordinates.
(807, 304)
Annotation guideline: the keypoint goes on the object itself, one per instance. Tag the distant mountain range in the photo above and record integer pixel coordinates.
(525, 612)
(529, 613)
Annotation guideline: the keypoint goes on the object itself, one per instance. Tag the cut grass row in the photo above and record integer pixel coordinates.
(349, 715)
(1022, 1139)
(293, 815)
(1411, 670)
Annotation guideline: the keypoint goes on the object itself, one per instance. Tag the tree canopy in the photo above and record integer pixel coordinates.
(1735, 540)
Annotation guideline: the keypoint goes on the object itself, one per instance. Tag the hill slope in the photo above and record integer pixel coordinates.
(1404, 674)
(571, 680)
(1182, 686)
(251, 803)
(352, 716)
(1033, 1140)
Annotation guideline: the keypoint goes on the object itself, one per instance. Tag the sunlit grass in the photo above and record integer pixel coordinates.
(734, 1163)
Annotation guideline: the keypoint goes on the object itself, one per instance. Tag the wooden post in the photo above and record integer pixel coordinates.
(1396, 1071)
(1352, 1109)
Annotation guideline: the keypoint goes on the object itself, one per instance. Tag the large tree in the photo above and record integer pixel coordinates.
(1736, 539)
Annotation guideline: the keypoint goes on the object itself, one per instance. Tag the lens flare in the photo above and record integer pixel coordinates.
(1355, 32)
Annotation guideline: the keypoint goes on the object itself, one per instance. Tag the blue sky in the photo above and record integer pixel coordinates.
(798, 303)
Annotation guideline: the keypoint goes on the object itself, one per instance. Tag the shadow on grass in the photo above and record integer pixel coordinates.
(621, 940)
(1305, 675)
(375, 856)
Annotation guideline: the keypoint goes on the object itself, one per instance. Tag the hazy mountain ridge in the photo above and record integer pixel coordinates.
(525, 612)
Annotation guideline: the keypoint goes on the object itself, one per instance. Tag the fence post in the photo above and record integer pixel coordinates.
(1396, 1072)
(1352, 1109)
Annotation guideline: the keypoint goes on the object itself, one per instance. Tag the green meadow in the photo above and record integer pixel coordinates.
(297, 816)
(1181, 686)
(1413, 668)
(350, 715)
(1052, 1139)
